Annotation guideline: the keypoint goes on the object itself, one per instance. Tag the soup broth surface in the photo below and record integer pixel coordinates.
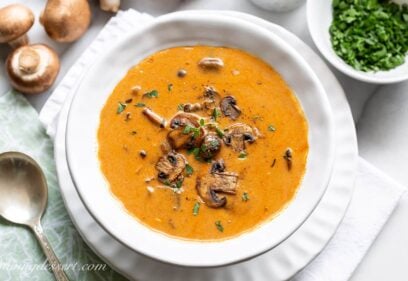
(265, 171)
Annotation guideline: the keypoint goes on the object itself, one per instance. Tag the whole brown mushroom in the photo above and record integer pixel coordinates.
(15, 21)
(66, 20)
(33, 68)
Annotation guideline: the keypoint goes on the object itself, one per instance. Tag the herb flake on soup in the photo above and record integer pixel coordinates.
(209, 143)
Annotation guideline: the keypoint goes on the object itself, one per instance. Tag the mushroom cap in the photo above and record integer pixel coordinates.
(32, 69)
(209, 186)
(178, 138)
(210, 146)
(170, 167)
(15, 21)
(66, 20)
(229, 107)
(238, 134)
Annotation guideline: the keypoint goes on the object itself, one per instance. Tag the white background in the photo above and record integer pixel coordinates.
(373, 107)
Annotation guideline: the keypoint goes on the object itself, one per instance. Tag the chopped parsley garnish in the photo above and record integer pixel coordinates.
(189, 129)
(121, 107)
(242, 155)
(196, 208)
(219, 132)
(202, 122)
(140, 104)
(245, 196)
(216, 114)
(271, 128)
(176, 185)
(189, 170)
(152, 94)
(180, 107)
(193, 150)
(370, 35)
(179, 183)
(219, 226)
(196, 152)
(170, 87)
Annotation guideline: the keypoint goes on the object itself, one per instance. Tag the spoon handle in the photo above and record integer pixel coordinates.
(49, 253)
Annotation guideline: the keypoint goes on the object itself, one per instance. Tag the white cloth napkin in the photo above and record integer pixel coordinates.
(374, 199)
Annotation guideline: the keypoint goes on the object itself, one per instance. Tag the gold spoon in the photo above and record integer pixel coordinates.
(23, 198)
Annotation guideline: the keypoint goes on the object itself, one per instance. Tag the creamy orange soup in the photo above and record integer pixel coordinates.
(203, 142)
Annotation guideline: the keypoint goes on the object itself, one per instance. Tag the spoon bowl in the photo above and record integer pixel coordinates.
(23, 189)
(23, 199)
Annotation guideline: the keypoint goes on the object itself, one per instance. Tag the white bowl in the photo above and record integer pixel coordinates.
(181, 29)
(319, 19)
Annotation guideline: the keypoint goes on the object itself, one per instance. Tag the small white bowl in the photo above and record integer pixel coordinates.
(280, 6)
(181, 29)
(319, 19)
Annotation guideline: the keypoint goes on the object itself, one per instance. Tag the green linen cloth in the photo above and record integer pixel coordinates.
(21, 257)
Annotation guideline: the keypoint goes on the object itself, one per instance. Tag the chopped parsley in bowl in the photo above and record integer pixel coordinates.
(370, 35)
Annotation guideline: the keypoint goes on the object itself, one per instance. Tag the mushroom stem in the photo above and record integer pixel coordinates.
(109, 5)
(19, 41)
(28, 61)
(192, 107)
(154, 117)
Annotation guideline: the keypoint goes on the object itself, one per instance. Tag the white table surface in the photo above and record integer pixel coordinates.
(388, 257)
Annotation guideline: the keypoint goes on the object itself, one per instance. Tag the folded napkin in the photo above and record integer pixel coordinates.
(383, 124)
(375, 197)
(21, 257)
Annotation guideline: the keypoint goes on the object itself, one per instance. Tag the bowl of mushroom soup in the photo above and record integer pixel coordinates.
(201, 149)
